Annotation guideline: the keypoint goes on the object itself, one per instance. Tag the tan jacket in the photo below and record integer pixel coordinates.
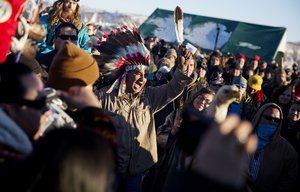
(136, 135)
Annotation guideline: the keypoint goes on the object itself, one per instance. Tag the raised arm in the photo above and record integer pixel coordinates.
(162, 95)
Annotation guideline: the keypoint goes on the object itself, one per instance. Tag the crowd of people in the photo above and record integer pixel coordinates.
(86, 110)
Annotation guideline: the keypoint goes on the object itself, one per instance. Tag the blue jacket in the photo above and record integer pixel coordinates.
(47, 45)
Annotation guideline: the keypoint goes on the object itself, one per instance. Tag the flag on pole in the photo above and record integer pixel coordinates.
(232, 36)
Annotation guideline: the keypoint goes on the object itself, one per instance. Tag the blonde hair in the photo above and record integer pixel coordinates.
(56, 13)
(277, 75)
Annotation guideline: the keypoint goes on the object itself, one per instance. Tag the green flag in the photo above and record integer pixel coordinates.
(210, 33)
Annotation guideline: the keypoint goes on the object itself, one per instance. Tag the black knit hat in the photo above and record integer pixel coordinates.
(32, 64)
(235, 65)
(11, 87)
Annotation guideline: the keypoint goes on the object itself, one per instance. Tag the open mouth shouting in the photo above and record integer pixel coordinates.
(136, 81)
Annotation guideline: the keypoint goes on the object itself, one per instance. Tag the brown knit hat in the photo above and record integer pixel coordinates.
(72, 66)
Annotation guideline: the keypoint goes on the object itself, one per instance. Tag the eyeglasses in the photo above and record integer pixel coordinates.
(68, 37)
(270, 118)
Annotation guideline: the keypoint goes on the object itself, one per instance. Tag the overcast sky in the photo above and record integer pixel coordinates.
(277, 13)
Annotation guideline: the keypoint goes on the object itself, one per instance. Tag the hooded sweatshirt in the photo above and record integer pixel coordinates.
(277, 162)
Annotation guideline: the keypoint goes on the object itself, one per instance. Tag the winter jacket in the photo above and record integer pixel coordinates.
(191, 181)
(185, 99)
(15, 145)
(291, 132)
(279, 165)
(22, 175)
(136, 135)
(47, 44)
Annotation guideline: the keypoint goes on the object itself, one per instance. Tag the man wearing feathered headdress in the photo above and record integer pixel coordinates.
(124, 61)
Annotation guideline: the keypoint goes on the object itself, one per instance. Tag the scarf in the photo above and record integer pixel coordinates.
(258, 98)
(264, 133)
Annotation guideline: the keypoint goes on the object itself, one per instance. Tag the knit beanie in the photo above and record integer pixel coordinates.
(239, 81)
(33, 64)
(241, 56)
(235, 65)
(72, 66)
(256, 57)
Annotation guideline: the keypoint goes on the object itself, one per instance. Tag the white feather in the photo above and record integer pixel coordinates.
(178, 23)
(132, 48)
(180, 31)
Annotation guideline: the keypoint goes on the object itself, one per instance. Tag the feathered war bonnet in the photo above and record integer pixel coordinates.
(122, 51)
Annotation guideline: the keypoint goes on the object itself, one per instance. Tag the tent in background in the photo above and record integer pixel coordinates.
(226, 35)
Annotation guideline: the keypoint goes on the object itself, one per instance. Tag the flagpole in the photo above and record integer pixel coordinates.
(217, 37)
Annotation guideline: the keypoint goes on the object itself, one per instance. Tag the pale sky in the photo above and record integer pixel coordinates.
(277, 13)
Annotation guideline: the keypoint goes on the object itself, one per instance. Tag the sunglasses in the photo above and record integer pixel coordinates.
(270, 118)
(38, 104)
(68, 37)
(241, 86)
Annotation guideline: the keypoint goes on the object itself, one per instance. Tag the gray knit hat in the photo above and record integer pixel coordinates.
(240, 81)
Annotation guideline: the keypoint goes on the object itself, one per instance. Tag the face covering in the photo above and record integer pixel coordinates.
(264, 133)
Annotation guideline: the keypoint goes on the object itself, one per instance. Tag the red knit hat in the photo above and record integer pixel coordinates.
(240, 55)
(256, 58)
